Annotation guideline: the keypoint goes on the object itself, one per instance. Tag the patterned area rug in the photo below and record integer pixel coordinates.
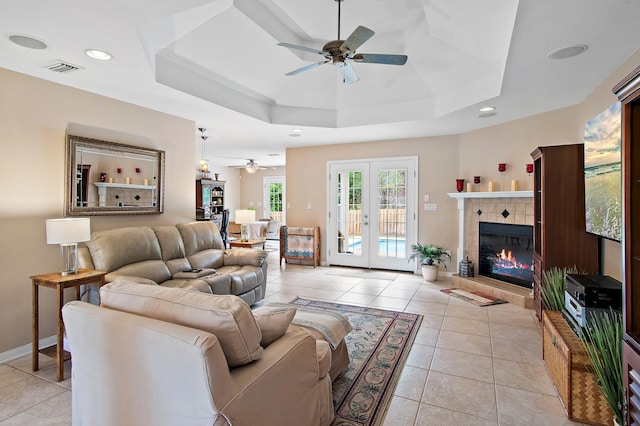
(378, 347)
(473, 297)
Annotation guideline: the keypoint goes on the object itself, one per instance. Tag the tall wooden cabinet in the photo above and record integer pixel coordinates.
(210, 200)
(628, 92)
(559, 234)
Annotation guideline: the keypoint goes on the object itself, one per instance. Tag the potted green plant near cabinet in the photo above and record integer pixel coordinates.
(555, 283)
(430, 257)
(603, 342)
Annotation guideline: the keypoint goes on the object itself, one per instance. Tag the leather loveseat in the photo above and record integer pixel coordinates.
(187, 255)
(154, 356)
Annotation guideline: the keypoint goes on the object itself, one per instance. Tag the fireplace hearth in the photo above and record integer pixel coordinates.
(506, 252)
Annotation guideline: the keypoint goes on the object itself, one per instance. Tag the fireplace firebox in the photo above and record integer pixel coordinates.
(506, 252)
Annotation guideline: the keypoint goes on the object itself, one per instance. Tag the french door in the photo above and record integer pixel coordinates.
(372, 212)
(274, 199)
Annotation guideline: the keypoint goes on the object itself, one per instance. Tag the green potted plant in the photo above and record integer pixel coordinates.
(555, 283)
(430, 257)
(602, 338)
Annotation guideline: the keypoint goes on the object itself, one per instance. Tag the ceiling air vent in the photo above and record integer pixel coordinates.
(62, 67)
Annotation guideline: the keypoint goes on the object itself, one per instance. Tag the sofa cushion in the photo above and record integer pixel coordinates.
(155, 270)
(198, 236)
(190, 284)
(229, 318)
(273, 321)
(207, 259)
(129, 251)
(172, 248)
(242, 278)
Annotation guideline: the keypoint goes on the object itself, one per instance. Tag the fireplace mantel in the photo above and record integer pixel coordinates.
(498, 194)
(463, 197)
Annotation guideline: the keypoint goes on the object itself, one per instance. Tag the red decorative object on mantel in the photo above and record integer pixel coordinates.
(137, 169)
(459, 184)
(502, 167)
(476, 179)
(119, 170)
(529, 170)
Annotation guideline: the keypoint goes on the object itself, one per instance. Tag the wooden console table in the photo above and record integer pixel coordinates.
(59, 283)
(248, 244)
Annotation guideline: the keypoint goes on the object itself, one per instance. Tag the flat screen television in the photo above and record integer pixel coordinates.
(603, 174)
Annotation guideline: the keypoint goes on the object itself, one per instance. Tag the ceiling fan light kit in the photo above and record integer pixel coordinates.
(253, 167)
(342, 52)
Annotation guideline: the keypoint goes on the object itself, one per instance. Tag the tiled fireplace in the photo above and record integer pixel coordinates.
(505, 207)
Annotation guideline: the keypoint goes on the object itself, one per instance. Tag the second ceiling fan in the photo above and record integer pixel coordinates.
(342, 52)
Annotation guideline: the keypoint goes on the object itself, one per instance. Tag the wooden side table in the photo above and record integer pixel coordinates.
(59, 283)
(248, 244)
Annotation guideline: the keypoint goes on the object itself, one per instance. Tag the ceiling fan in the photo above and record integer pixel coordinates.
(340, 51)
(252, 166)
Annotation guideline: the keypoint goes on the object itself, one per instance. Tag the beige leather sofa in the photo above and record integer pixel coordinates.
(187, 255)
(157, 356)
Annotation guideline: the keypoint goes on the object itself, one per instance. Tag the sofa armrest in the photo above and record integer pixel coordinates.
(244, 256)
(287, 375)
(130, 369)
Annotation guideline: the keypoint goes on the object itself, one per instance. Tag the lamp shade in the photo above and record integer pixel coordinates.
(245, 216)
(68, 230)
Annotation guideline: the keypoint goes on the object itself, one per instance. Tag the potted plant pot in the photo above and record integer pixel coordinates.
(430, 272)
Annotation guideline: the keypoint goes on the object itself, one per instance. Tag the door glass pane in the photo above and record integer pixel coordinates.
(349, 213)
(275, 201)
(392, 213)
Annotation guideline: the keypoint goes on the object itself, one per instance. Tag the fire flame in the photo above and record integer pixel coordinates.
(507, 260)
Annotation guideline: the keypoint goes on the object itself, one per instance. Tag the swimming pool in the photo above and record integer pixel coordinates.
(386, 246)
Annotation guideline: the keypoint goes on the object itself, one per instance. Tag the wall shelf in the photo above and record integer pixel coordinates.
(495, 194)
(123, 185)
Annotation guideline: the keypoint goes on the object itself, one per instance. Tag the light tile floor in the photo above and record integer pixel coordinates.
(468, 365)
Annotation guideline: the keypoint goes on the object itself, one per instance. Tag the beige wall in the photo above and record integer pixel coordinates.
(34, 116)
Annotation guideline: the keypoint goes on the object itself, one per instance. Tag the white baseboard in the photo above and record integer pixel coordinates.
(25, 350)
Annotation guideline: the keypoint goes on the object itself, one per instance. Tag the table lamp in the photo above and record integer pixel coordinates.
(244, 218)
(68, 233)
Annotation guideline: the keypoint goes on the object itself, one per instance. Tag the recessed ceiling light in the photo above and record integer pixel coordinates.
(100, 55)
(27, 41)
(487, 109)
(296, 130)
(273, 154)
(567, 52)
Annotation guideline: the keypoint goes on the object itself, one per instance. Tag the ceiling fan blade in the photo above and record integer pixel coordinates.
(347, 72)
(375, 58)
(306, 49)
(305, 68)
(357, 38)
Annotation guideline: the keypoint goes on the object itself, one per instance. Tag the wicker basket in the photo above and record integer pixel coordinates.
(568, 364)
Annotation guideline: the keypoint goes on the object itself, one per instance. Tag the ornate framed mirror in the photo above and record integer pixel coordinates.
(109, 178)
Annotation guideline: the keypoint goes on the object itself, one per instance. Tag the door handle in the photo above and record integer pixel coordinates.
(365, 223)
